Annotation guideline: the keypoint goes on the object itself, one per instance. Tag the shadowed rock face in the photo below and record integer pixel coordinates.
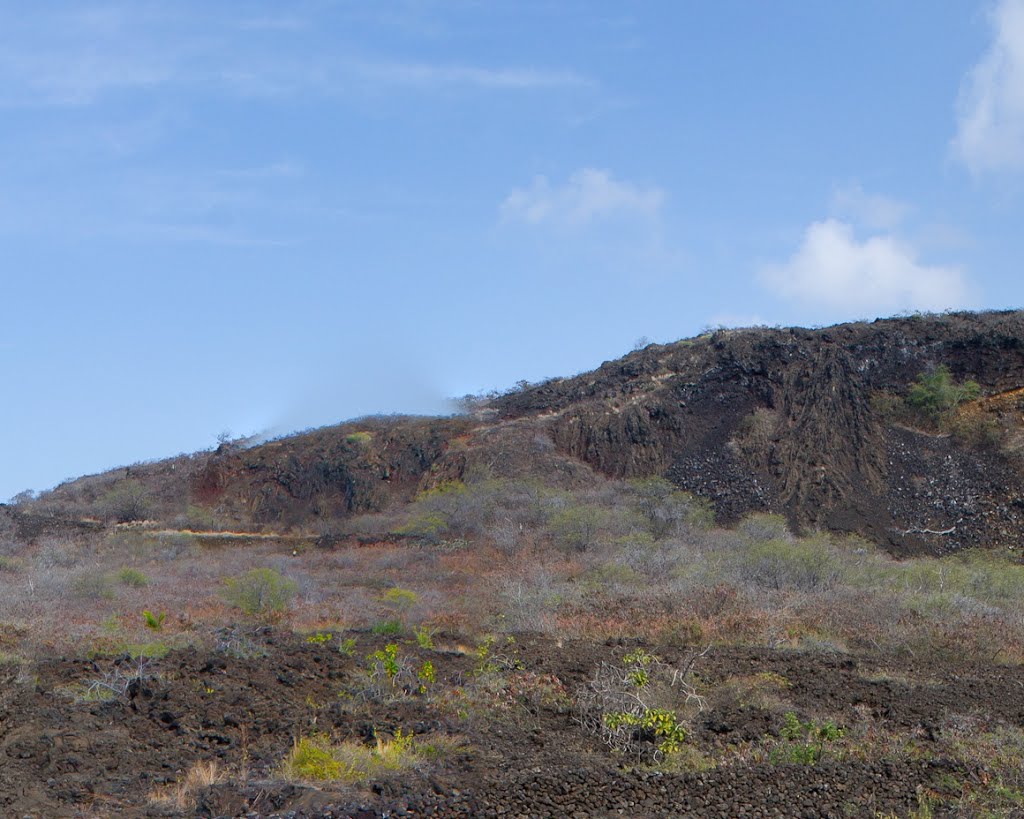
(831, 445)
(782, 421)
(777, 420)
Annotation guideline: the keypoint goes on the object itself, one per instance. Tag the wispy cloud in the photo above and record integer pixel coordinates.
(990, 109)
(197, 234)
(834, 269)
(75, 78)
(285, 169)
(868, 209)
(588, 195)
(436, 75)
(82, 57)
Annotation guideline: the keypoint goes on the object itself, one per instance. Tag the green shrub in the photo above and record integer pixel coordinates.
(801, 565)
(424, 636)
(132, 577)
(260, 592)
(579, 527)
(399, 601)
(360, 438)
(934, 395)
(312, 758)
(317, 759)
(387, 628)
(632, 706)
(806, 742)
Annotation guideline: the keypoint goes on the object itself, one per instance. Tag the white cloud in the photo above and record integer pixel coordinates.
(880, 275)
(588, 195)
(870, 210)
(990, 110)
(433, 75)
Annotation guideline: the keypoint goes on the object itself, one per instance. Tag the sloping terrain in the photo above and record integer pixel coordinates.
(774, 420)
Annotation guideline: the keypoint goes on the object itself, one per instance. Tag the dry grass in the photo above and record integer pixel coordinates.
(182, 795)
(687, 583)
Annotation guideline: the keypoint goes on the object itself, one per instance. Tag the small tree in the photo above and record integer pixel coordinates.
(260, 592)
(127, 501)
(578, 527)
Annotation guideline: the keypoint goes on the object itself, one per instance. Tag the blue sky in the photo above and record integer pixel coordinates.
(254, 216)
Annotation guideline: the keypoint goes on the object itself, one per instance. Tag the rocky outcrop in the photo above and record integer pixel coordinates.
(778, 420)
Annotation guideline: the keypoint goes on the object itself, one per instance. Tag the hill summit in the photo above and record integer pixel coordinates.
(907, 431)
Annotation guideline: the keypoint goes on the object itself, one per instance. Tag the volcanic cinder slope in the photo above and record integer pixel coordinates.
(780, 420)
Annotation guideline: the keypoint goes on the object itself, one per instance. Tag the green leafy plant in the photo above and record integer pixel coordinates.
(320, 637)
(806, 742)
(347, 646)
(315, 758)
(386, 660)
(260, 592)
(424, 636)
(154, 622)
(661, 724)
(632, 706)
(392, 674)
(427, 674)
(493, 657)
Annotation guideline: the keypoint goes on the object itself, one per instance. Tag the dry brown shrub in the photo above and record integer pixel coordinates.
(182, 795)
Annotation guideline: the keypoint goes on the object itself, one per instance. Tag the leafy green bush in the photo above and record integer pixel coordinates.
(387, 628)
(260, 592)
(391, 674)
(806, 742)
(399, 602)
(132, 577)
(934, 395)
(579, 527)
(801, 565)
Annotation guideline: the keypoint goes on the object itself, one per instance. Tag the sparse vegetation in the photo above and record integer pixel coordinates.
(318, 759)
(260, 592)
(464, 578)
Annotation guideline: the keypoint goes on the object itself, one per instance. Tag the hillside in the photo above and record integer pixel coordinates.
(605, 595)
(806, 423)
